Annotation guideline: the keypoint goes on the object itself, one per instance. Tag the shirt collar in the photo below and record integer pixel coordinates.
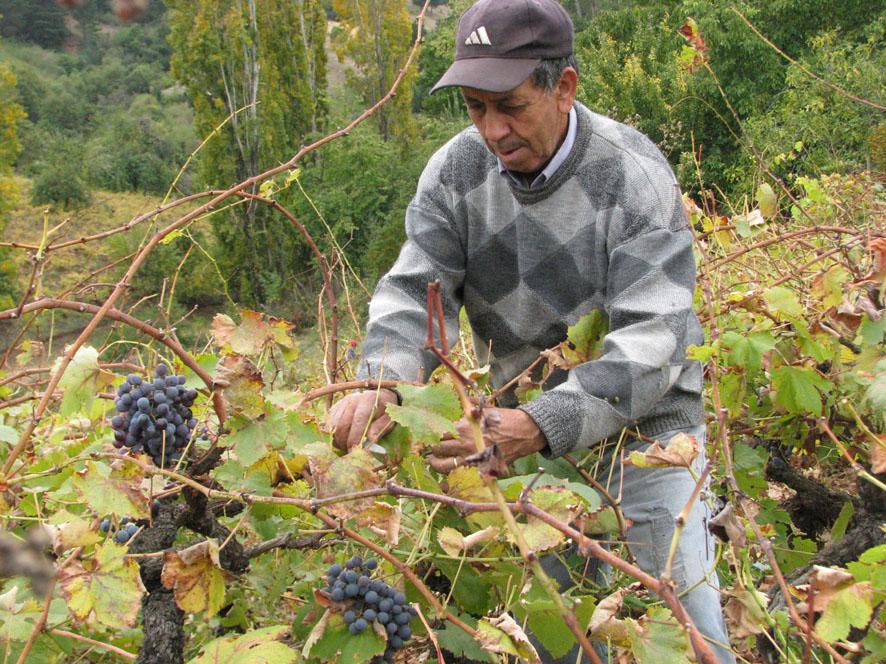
(555, 162)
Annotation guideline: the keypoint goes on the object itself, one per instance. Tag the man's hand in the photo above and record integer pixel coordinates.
(516, 434)
(360, 416)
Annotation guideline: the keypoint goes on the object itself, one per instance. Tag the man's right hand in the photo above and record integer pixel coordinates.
(360, 416)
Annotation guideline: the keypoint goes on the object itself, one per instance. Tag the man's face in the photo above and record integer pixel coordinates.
(523, 127)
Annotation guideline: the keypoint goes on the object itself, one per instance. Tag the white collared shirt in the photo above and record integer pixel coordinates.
(555, 162)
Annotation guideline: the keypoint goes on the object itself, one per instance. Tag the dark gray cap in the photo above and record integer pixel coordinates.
(500, 42)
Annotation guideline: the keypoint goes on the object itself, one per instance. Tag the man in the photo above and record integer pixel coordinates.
(537, 215)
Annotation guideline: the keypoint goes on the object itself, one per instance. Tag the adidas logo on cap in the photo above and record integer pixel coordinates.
(478, 37)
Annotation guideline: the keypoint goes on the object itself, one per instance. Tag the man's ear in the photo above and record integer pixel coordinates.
(566, 89)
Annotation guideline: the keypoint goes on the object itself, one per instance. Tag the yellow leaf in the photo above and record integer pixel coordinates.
(196, 578)
(106, 589)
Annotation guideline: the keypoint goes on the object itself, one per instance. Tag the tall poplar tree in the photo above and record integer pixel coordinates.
(264, 62)
(10, 114)
(377, 37)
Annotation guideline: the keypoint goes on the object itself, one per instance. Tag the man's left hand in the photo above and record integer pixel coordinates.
(515, 433)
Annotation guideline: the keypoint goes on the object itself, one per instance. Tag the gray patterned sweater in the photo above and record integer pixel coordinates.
(607, 231)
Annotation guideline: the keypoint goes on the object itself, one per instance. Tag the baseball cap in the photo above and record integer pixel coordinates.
(500, 42)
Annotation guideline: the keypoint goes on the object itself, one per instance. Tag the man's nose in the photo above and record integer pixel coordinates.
(495, 126)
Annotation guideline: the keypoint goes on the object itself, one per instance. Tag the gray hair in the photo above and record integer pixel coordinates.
(549, 71)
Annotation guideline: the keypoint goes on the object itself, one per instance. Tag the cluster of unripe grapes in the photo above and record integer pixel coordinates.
(127, 529)
(155, 417)
(370, 600)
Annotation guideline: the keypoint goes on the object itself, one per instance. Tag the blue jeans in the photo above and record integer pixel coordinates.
(652, 498)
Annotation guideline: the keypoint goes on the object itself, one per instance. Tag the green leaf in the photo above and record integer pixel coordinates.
(260, 646)
(749, 469)
(783, 301)
(81, 381)
(849, 607)
(513, 486)
(471, 591)
(875, 644)
(700, 353)
(424, 426)
(559, 503)
(8, 435)
(767, 200)
(876, 392)
(461, 644)
(746, 351)
(278, 431)
(801, 552)
(436, 398)
(601, 522)
(659, 641)
(796, 390)
(586, 337)
(108, 494)
(340, 646)
(106, 589)
(839, 527)
(872, 331)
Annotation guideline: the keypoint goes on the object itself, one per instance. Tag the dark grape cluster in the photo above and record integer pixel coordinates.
(127, 529)
(369, 600)
(155, 417)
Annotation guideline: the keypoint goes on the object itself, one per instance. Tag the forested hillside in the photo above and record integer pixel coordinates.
(197, 198)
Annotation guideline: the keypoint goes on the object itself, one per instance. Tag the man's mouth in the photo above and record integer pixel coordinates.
(508, 152)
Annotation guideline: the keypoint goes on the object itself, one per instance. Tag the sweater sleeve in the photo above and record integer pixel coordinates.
(649, 293)
(394, 347)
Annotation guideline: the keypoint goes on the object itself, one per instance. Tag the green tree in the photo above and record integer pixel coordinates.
(262, 61)
(10, 115)
(376, 36)
(39, 22)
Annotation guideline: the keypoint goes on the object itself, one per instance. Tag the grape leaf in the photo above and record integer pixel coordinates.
(746, 351)
(465, 483)
(108, 494)
(781, 300)
(563, 505)
(767, 200)
(436, 398)
(746, 610)
(196, 577)
(600, 522)
(338, 645)
(660, 640)
(585, 338)
(848, 607)
(461, 644)
(424, 426)
(242, 386)
(82, 379)
(277, 431)
(260, 646)
(334, 476)
(8, 435)
(797, 390)
(681, 450)
(105, 589)
(503, 635)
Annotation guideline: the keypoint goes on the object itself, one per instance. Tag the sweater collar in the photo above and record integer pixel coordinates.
(555, 162)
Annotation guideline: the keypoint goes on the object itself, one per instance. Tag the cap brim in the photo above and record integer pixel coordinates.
(489, 74)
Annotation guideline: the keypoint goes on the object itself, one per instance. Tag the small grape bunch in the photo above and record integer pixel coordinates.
(369, 600)
(155, 417)
(127, 529)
